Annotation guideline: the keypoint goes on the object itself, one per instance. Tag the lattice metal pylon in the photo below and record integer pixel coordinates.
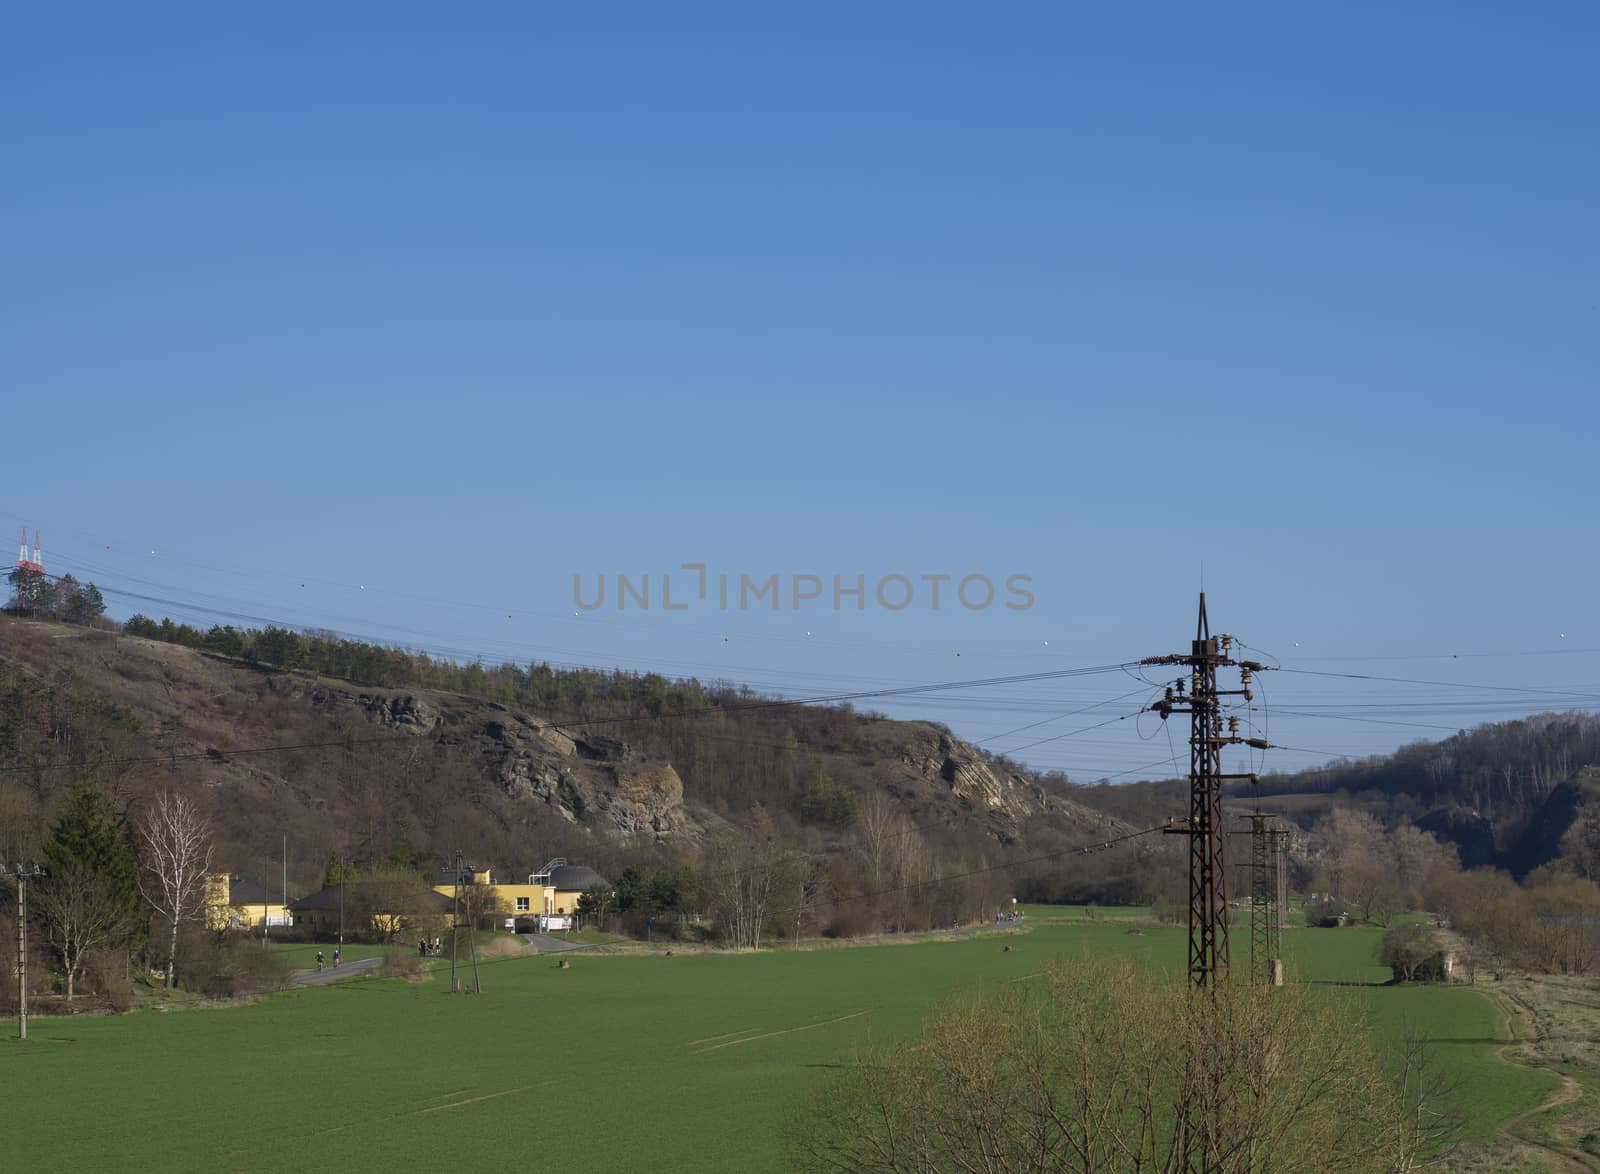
(1263, 904)
(1280, 894)
(1209, 732)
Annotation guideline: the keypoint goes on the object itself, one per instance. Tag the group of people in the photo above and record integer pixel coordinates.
(1002, 917)
(427, 949)
(335, 958)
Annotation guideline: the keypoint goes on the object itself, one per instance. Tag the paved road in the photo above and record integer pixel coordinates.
(546, 944)
(346, 970)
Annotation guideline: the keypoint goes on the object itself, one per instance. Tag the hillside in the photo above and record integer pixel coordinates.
(1505, 793)
(405, 775)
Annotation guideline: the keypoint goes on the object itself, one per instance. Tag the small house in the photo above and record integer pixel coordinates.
(232, 902)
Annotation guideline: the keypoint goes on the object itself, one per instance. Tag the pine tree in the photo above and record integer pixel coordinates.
(89, 895)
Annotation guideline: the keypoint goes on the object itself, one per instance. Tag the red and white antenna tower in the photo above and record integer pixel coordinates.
(36, 562)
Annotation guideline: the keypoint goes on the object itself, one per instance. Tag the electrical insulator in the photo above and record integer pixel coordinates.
(1169, 696)
(1227, 642)
(1244, 677)
(1233, 725)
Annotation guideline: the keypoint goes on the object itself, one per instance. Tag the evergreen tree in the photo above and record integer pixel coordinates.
(86, 841)
(85, 605)
(89, 895)
(31, 591)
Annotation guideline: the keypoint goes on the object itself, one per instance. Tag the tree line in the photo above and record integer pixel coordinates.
(537, 686)
(36, 594)
(119, 891)
(1500, 769)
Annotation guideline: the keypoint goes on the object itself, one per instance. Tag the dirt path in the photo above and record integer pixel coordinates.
(1565, 1159)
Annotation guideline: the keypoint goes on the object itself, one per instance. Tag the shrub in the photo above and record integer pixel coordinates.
(1408, 950)
(229, 966)
(403, 962)
(105, 973)
(1325, 912)
(1102, 1066)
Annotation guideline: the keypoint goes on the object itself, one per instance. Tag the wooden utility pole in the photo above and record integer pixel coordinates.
(23, 873)
(455, 925)
(472, 939)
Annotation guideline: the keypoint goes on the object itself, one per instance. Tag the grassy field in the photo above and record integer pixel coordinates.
(647, 1062)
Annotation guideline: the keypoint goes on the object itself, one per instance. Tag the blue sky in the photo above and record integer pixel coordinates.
(431, 312)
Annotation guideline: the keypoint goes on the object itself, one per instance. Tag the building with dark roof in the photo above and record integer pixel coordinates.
(372, 908)
(232, 902)
(576, 878)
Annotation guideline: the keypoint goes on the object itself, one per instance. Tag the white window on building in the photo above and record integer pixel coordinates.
(522, 904)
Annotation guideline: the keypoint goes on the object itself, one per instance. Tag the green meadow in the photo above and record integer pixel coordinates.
(690, 1062)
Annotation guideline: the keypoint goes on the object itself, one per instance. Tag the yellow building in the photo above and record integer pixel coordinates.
(553, 891)
(564, 883)
(480, 891)
(235, 903)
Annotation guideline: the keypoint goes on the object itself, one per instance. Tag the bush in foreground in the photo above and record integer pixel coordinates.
(1097, 1066)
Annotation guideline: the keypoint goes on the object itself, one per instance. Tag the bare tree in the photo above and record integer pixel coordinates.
(177, 842)
(81, 912)
(743, 880)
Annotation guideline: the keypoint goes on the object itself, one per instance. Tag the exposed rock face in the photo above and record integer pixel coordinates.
(404, 712)
(600, 782)
(601, 749)
(583, 778)
(648, 802)
(972, 780)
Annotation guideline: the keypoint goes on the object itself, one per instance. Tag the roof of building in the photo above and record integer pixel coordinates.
(327, 900)
(575, 878)
(244, 892)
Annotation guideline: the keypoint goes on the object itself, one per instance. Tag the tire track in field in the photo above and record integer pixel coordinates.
(488, 1096)
(750, 1039)
(711, 1038)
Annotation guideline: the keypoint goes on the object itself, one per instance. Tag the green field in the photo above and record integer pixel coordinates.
(620, 1062)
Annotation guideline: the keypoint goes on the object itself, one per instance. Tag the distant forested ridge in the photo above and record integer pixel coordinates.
(538, 686)
(1501, 770)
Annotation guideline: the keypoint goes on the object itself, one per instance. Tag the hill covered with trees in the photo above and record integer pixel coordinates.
(389, 759)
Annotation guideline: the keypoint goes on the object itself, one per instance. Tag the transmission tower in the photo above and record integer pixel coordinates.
(1280, 896)
(1209, 731)
(1268, 897)
(34, 561)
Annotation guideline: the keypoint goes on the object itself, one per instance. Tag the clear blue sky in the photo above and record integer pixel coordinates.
(431, 310)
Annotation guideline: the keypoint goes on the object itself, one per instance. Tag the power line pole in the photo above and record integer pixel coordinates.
(1209, 731)
(1280, 901)
(455, 925)
(23, 873)
(1268, 898)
